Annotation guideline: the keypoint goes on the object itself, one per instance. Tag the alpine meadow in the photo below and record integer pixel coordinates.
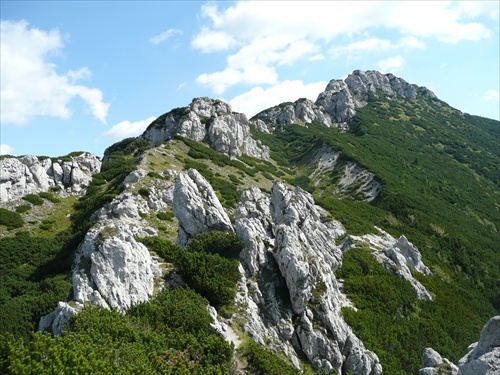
(354, 234)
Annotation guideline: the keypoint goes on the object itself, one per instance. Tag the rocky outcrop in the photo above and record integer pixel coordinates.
(196, 207)
(31, 174)
(208, 120)
(291, 297)
(336, 105)
(55, 321)
(396, 256)
(483, 357)
(301, 111)
(434, 364)
(111, 269)
(353, 180)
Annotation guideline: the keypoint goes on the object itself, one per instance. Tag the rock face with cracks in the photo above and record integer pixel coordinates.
(197, 207)
(31, 174)
(208, 120)
(292, 298)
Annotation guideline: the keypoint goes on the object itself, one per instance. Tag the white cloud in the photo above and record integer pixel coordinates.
(272, 33)
(126, 129)
(5, 149)
(492, 95)
(30, 85)
(181, 85)
(258, 99)
(211, 41)
(391, 64)
(164, 36)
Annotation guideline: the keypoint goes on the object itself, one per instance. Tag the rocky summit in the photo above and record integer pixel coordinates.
(340, 236)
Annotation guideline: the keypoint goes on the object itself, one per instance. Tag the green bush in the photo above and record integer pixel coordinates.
(264, 361)
(49, 197)
(23, 208)
(33, 199)
(10, 219)
(165, 215)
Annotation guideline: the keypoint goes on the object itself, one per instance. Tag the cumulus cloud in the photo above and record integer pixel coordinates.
(391, 65)
(258, 99)
(492, 95)
(126, 129)
(265, 35)
(30, 84)
(164, 36)
(5, 149)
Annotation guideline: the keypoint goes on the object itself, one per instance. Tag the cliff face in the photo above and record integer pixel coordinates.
(30, 175)
(208, 120)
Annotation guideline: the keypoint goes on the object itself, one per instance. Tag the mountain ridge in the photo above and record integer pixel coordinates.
(287, 290)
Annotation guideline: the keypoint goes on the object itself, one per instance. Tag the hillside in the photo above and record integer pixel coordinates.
(344, 235)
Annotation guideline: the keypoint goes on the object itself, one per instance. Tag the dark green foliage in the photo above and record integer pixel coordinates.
(144, 192)
(208, 265)
(397, 326)
(55, 189)
(223, 243)
(169, 335)
(49, 197)
(24, 296)
(33, 199)
(10, 219)
(264, 362)
(23, 208)
(165, 215)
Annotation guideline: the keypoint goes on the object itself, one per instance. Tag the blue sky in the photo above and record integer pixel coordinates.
(79, 76)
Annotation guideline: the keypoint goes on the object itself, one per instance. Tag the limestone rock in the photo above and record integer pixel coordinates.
(291, 297)
(431, 358)
(337, 101)
(396, 256)
(355, 181)
(31, 174)
(112, 269)
(483, 357)
(208, 120)
(56, 320)
(196, 207)
(301, 111)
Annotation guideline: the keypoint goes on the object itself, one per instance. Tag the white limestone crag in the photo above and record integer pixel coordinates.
(396, 256)
(208, 120)
(291, 298)
(196, 207)
(31, 174)
(336, 105)
(353, 181)
(483, 357)
(55, 321)
(111, 269)
(301, 111)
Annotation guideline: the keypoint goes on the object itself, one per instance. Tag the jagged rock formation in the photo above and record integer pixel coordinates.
(208, 120)
(31, 174)
(292, 300)
(111, 269)
(434, 364)
(197, 207)
(301, 111)
(483, 357)
(353, 181)
(396, 256)
(337, 104)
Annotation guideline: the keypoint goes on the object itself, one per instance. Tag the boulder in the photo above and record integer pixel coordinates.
(196, 207)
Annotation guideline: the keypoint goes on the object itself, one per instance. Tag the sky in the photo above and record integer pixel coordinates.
(82, 75)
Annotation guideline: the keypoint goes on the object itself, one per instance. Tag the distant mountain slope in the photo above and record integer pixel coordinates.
(346, 234)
